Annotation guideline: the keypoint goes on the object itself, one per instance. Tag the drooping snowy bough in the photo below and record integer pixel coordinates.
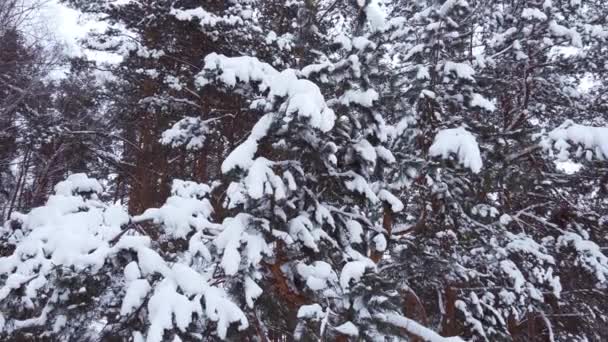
(582, 141)
(461, 143)
(327, 215)
(83, 267)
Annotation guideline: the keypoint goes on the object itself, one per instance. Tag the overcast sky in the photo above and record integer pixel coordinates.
(68, 26)
(64, 24)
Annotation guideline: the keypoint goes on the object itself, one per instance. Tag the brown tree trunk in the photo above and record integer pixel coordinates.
(448, 327)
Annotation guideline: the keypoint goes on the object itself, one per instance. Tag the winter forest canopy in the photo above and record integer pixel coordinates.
(306, 170)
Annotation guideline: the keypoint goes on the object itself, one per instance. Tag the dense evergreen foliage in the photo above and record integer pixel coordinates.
(265, 170)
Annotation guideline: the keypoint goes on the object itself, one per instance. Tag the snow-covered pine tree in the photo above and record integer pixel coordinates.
(309, 182)
(25, 113)
(83, 269)
(528, 47)
(377, 170)
(159, 57)
(497, 276)
(300, 220)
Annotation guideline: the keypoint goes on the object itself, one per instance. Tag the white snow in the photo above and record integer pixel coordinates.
(183, 211)
(344, 41)
(415, 50)
(522, 243)
(388, 197)
(60, 323)
(138, 337)
(375, 15)
(252, 291)
(284, 42)
(462, 70)
(196, 246)
(355, 231)
(363, 98)
(188, 280)
(361, 43)
(173, 82)
(115, 216)
(229, 241)
(323, 215)
(358, 184)
(255, 246)
(353, 271)
(291, 181)
(151, 262)
(484, 210)
(189, 132)
(414, 328)
(475, 324)
(77, 183)
(422, 73)
(221, 309)
(232, 236)
(590, 255)
(479, 101)
(563, 31)
(166, 306)
(188, 189)
(300, 97)
(593, 139)
(460, 142)
(505, 219)
(380, 242)
(300, 229)
(132, 272)
(366, 151)
(348, 329)
(448, 6)
(72, 230)
(242, 156)
(261, 180)
(206, 18)
(509, 268)
(500, 38)
(68, 231)
(533, 13)
(134, 297)
(318, 275)
(385, 154)
(235, 195)
(313, 311)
